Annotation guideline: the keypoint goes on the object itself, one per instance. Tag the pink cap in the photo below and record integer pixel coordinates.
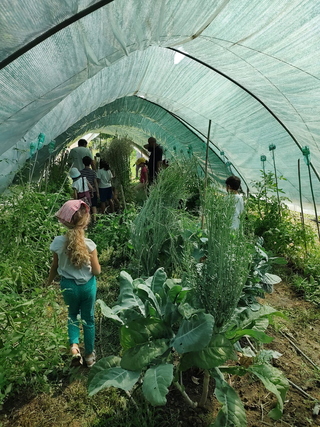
(66, 212)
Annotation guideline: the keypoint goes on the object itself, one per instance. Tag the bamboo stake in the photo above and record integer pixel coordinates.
(301, 207)
(300, 351)
(272, 148)
(206, 173)
(314, 202)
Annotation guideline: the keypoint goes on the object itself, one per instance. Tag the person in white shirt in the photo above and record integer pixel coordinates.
(78, 153)
(104, 176)
(233, 184)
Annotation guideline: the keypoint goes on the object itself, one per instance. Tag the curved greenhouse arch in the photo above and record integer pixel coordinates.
(73, 58)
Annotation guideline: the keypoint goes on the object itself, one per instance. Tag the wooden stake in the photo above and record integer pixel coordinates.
(301, 207)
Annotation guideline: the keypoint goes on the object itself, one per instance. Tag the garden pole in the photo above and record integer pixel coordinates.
(301, 207)
(272, 147)
(263, 158)
(306, 154)
(124, 200)
(206, 173)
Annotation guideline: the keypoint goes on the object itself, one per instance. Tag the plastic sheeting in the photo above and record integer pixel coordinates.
(251, 67)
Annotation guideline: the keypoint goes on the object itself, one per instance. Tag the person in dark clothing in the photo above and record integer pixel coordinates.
(155, 158)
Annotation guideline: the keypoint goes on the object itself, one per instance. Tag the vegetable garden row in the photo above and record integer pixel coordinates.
(184, 301)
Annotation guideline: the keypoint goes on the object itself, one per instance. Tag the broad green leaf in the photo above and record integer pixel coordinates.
(177, 293)
(216, 353)
(127, 298)
(233, 370)
(108, 312)
(170, 313)
(194, 334)
(156, 381)
(151, 297)
(186, 310)
(173, 292)
(158, 280)
(126, 288)
(274, 381)
(232, 413)
(137, 282)
(170, 283)
(116, 377)
(138, 357)
(245, 319)
(261, 324)
(271, 279)
(234, 336)
(103, 364)
(142, 330)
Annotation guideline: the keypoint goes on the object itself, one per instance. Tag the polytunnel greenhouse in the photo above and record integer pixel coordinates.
(201, 262)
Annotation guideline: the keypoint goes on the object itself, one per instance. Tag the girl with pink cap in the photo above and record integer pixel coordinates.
(75, 259)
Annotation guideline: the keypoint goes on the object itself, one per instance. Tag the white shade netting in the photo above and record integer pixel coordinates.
(250, 67)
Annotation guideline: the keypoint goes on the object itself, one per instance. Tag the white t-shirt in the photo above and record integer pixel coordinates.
(65, 267)
(77, 154)
(104, 178)
(238, 211)
(81, 186)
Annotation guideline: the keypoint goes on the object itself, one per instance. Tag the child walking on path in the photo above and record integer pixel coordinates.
(233, 184)
(80, 185)
(105, 176)
(75, 259)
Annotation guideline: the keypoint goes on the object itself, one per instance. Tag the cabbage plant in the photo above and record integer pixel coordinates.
(162, 335)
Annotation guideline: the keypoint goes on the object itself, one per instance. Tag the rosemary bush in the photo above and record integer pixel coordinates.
(222, 276)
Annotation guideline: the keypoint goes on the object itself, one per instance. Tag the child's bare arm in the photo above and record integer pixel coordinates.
(96, 186)
(54, 268)
(95, 266)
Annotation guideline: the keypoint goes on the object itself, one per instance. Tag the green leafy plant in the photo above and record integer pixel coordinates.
(163, 335)
(260, 280)
(30, 332)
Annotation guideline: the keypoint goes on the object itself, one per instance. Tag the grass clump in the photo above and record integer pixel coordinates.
(156, 231)
(117, 153)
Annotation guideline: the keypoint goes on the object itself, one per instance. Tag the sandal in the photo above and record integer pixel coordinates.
(76, 356)
(90, 360)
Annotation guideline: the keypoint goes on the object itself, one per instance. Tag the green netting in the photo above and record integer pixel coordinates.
(251, 67)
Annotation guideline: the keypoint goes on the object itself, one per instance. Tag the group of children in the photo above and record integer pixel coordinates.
(75, 257)
(90, 186)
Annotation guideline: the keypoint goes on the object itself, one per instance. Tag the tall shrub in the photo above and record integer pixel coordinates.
(225, 270)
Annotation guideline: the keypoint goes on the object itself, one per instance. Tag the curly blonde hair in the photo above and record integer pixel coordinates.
(76, 246)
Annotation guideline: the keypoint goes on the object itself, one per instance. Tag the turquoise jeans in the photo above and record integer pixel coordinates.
(80, 300)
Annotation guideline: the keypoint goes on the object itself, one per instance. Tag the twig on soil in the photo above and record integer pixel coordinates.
(261, 411)
(299, 350)
(302, 391)
(267, 424)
